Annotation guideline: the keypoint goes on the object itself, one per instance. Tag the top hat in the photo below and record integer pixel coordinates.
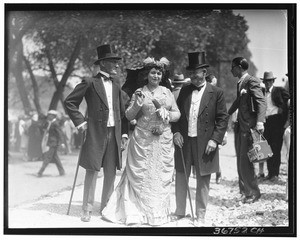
(105, 52)
(196, 60)
(268, 76)
(178, 78)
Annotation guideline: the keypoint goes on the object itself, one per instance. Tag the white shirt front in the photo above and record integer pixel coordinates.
(271, 108)
(194, 111)
(108, 90)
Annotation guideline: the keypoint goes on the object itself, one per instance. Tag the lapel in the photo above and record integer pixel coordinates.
(99, 87)
(207, 94)
(244, 83)
(187, 104)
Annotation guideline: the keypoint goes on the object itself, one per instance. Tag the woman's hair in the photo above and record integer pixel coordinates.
(209, 77)
(241, 62)
(161, 65)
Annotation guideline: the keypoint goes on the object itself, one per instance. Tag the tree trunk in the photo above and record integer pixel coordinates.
(60, 88)
(20, 81)
(36, 96)
(54, 76)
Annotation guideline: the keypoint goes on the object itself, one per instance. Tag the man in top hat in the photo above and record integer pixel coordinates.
(251, 106)
(177, 83)
(198, 132)
(54, 137)
(276, 117)
(105, 110)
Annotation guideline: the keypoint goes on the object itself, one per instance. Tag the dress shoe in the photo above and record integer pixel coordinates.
(175, 217)
(39, 175)
(199, 222)
(86, 216)
(274, 179)
(261, 176)
(251, 199)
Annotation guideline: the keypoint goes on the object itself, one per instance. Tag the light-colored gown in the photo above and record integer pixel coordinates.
(143, 193)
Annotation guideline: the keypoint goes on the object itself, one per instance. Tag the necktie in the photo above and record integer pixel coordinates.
(196, 88)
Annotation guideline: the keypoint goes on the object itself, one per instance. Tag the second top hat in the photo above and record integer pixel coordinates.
(105, 52)
(196, 60)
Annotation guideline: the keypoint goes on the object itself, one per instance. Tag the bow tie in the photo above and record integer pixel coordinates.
(196, 88)
(106, 78)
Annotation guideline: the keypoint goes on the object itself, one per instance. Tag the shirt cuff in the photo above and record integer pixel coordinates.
(125, 136)
(260, 124)
(81, 125)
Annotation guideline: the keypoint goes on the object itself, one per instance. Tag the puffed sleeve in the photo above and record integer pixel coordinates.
(133, 109)
(174, 112)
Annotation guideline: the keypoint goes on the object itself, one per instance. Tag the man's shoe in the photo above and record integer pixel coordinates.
(199, 222)
(175, 217)
(86, 216)
(251, 199)
(218, 178)
(274, 179)
(261, 176)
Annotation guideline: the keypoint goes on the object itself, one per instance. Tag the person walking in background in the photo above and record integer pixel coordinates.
(251, 104)
(24, 124)
(198, 132)
(55, 139)
(35, 135)
(143, 193)
(103, 143)
(276, 117)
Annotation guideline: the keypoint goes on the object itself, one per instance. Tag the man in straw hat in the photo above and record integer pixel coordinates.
(53, 140)
(276, 117)
(251, 106)
(197, 134)
(103, 143)
(177, 83)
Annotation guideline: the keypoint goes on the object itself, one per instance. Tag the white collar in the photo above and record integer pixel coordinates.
(242, 77)
(104, 73)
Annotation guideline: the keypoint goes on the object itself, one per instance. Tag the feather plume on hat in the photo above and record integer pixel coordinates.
(151, 62)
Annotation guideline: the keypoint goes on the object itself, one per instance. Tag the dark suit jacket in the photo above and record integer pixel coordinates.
(93, 149)
(251, 105)
(280, 97)
(211, 124)
(56, 136)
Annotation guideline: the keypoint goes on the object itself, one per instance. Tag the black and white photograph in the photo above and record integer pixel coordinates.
(149, 119)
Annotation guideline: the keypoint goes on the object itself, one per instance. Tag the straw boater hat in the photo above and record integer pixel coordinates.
(196, 60)
(105, 52)
(178, 78)
(268, 76)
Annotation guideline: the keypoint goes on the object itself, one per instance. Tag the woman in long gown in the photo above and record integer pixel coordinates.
(143, 193)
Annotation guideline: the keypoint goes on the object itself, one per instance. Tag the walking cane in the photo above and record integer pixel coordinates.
(187, 184)
(76, 173)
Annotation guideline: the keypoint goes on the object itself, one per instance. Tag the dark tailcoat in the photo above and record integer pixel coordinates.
(211, 124)
(93, 149)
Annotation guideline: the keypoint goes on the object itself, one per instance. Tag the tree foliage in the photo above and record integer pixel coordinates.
(65, 42)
